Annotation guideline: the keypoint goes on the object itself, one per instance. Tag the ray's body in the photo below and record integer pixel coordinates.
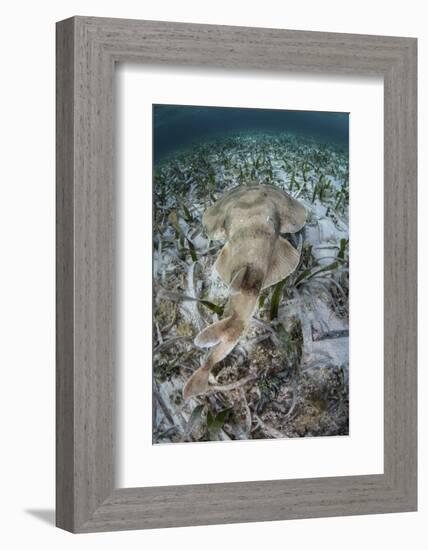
(255, 256)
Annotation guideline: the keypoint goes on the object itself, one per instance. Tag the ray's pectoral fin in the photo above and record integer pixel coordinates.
(213, 221)
(285, 259)
(223, 262)
(212, 334)
(292, 214)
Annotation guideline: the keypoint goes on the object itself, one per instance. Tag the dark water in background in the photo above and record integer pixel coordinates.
(176, 127)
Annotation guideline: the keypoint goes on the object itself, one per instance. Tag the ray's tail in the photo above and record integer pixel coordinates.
(225, 334)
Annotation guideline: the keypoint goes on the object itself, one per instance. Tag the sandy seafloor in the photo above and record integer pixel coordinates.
(288, 376)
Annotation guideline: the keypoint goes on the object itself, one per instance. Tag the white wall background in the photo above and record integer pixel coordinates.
(27, 272)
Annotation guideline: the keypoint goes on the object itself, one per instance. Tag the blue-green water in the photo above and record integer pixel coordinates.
(176, 127)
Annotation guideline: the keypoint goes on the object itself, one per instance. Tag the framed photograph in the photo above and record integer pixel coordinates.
(236, 274)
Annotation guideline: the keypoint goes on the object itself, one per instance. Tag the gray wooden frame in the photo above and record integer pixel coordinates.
(87, 50)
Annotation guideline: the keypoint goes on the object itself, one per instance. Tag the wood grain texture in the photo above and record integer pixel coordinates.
(64, 277)
(87, 50)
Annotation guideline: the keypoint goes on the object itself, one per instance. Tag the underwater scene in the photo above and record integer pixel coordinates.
(250, 274)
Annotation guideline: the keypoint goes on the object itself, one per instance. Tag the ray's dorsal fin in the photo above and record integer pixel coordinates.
(222, 264)
(285, 259)
(211, 335)
(197, 383)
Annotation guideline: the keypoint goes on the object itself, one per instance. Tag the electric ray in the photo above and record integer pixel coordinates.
(251, 219)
